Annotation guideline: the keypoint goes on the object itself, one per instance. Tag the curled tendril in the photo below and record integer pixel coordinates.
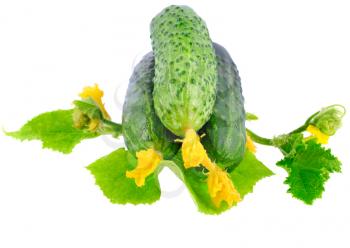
(329, 119)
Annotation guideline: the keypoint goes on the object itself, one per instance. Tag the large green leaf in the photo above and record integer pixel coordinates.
(244, 177)
(109, 173)
(55, 129)
(309, 166)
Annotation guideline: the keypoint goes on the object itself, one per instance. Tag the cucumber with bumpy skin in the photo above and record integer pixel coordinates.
(185, 69)
(142, 128)
(225, 131)
(225, 134)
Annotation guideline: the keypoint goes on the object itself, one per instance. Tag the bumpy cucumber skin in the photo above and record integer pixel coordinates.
(185, 69)
(225, 135)
(142, 128)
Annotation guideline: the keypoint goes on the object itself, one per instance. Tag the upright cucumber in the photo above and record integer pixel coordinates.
(185, 69)
(142, 128)
(225, 137)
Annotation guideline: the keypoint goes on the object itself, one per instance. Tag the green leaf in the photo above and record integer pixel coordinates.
(244, 177)
(288, 143)
(109, 173)
(251, 116)
(308, 167)
(248, 173)
(55, 129)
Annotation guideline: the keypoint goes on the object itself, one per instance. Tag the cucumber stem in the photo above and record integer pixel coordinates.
(306, 124)
(299, 129)
(258, 139)
(110, 127)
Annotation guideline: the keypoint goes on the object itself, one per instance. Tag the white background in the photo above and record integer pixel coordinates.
(293, 58)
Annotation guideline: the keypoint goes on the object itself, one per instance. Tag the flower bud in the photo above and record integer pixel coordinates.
(86, 115)
(328, 120)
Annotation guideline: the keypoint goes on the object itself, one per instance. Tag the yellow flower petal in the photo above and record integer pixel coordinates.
(316, 133)
(221, 188)
(96, 95)
(147, 162)
(250, 144)
(93, 125)
(193, 152)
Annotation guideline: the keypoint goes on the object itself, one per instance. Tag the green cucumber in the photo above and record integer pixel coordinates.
(142, 128)
(225, 131)
(185, 69)
(225, 135)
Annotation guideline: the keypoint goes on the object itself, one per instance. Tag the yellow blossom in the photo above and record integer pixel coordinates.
(221, 188)
(93, 125)
(96, 95)
(147, 162)
(250, 145)
(316, 133)
(193, 152)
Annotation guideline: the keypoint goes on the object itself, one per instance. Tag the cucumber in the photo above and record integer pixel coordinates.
(225, 134)
(225, 137)
(185, 69)
(142, 128)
